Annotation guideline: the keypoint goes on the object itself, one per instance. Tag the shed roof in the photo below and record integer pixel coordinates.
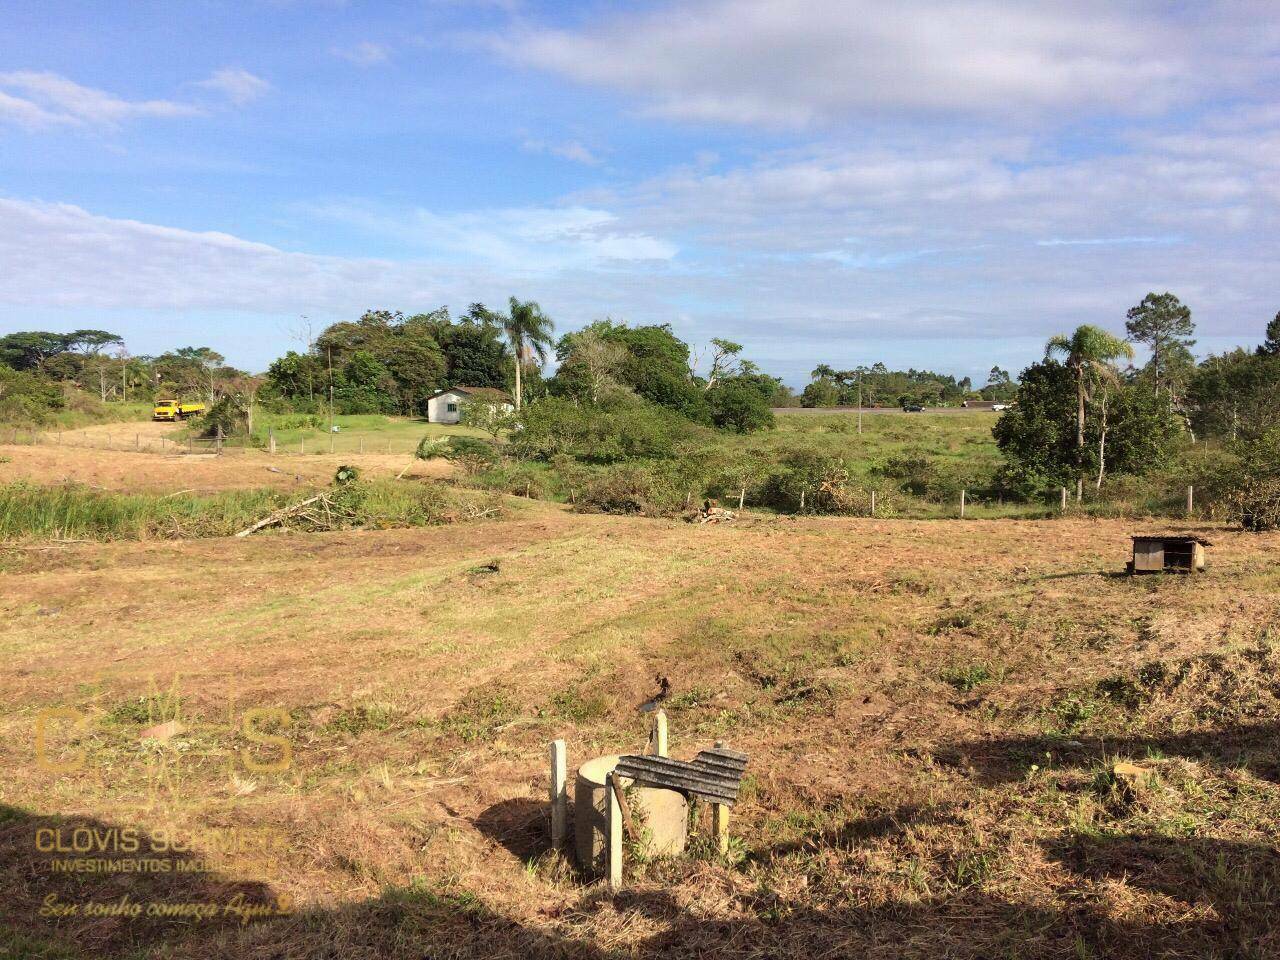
(480, 393)
(1172, 538)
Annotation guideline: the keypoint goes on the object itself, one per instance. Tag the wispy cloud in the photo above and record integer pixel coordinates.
(49, 98)
(363, 54)
(238, 85)
(37, 99)
(1103, 241)
(573, 150)
(522, 241)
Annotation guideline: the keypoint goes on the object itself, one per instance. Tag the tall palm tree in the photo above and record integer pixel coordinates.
(528, 332)
(1089, 354)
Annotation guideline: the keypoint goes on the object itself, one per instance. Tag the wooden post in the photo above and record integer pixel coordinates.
(271, 440)
(962, 493)
(137, 441)
(614, 836)
(302, 445)
(742, 496)
(802, 499)
(1079, 489)
(331, 441)
(362, 444)
(873, 503)
(388, 445)
(191, 445)
(1191, 500)
(658, 735)
(1064, 499)
(720, 820)
(559, 792)
(720, 826)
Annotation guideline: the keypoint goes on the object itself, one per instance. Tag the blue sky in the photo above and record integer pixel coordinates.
(934, 183)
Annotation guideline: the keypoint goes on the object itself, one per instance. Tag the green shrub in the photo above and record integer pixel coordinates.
(630, 488)
(470, 453)
(1242, 485)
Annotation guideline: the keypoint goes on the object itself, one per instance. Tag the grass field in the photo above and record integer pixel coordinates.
(933, 710)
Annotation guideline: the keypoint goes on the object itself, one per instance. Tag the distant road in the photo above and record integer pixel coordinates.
(878, 410)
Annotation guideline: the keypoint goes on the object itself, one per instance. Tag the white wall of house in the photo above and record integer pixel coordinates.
(446, 408)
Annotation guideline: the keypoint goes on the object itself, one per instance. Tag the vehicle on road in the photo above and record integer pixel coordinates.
(912, 408)
(176, 410)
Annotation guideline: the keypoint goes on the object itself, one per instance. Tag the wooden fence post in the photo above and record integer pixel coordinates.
(873, 503)
(742, 496)
(559, 792)
(1064, 499)
(302, 445)
(1191, 501)
(962, 493)
(362, 445)
(720, 826)
(271, 440)
(331, 442)
(614, 834)
(658, 735)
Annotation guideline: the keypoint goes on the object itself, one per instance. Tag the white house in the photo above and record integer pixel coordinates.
(446, 406)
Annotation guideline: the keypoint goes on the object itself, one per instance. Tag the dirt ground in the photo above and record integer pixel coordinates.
(933, 711)
(83, 456)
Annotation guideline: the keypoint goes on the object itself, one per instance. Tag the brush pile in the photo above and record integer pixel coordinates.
(353, 504)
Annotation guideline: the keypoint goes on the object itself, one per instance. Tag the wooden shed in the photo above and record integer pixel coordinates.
(1156, 553)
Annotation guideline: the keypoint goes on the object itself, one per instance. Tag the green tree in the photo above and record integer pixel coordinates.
(1089, 354)
(31, 349)
(1163, 323)
(741, 403)
(1039, 437)
(1271, 345)
(528, 332)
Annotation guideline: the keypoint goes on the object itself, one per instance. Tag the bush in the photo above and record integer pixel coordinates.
(1243, 484)
(824, 480)
(631, 489)
(938, 480)
(517, 479)
(470, 453)
(28, 400)
(628, 429)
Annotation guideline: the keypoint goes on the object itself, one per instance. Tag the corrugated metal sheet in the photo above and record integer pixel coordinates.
(714, 775)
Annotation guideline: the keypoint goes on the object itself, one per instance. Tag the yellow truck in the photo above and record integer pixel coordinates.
(174, 410)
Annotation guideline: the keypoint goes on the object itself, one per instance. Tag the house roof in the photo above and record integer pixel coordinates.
(480, 393)
(1173, 538)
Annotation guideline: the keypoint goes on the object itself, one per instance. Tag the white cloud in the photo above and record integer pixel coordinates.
(775, 62)
(237, 85)
(53, 99)
(573, 150)
(520, 241)
(363, 54)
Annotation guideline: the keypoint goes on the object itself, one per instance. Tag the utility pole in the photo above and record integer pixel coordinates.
(859, 403)
(329, 352)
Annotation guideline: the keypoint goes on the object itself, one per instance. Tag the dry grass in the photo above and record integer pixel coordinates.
(932, 709)
(153, 471)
